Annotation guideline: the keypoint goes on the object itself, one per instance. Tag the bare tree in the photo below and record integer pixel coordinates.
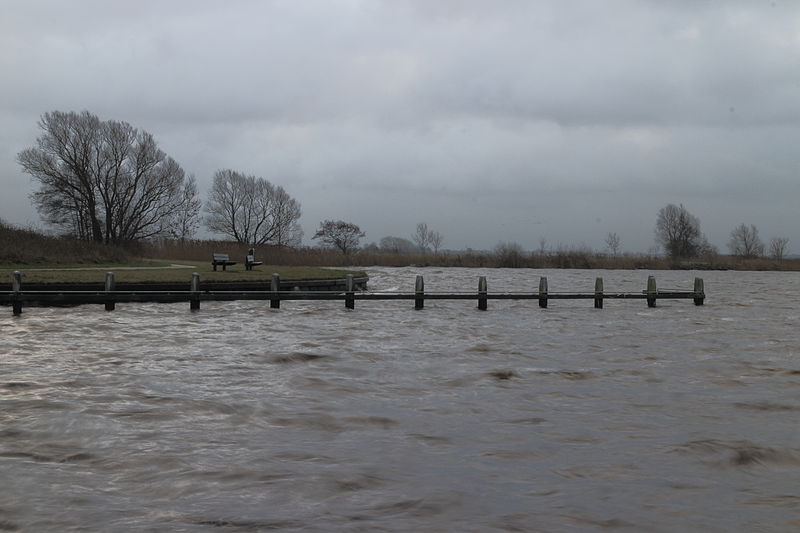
(777, 247)
(678, 232)
(745, 242)
(426, 238)
(286, 213)
(339, 234)
(252, 210)
(436, 239)
(613, 242)
(186, 220)
(397, 245)
(103, 181)
(542, 246)
(509, 254)
(422, 237)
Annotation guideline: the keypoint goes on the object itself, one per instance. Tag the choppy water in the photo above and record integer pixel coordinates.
(314, 418)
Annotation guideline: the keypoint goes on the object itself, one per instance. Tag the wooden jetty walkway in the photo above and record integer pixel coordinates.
(194, 294)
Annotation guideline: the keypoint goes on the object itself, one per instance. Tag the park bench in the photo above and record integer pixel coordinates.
(250, 260)
(221, 259)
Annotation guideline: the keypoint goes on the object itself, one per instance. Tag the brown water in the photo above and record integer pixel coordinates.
(314, 418)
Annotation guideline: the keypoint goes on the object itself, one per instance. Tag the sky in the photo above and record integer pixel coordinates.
(513, 120)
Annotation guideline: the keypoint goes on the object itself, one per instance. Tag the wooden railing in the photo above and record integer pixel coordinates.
(194, 294)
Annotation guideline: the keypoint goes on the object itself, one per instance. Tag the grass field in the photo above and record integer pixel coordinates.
(161, 271)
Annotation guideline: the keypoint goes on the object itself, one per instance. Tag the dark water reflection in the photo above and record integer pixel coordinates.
(313, 418)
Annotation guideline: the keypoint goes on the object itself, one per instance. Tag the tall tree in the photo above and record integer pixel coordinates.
(339, 234)
(777, 247)
(745, 242)
(612, 243)
(252, 210)
(426, 238)
(678, 232)
(186, 220)
(435, 238)
(422, 237)
(104, 181)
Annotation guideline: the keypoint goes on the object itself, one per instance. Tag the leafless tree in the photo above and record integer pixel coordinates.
(103, 181)
(286, 213)
(397, 245)
(613, 242)
(678, 232)
(186, 220)
(422, 237)
(542, 246)
(745, 242)
(252, 210)
(339, 234)
(509, 254)
(436, 239)
(777, 247)
(426, 238)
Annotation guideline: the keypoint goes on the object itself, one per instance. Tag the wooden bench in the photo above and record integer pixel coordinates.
(250, 260)
(221, 259)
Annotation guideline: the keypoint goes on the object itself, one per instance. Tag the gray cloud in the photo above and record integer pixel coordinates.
(491, 121)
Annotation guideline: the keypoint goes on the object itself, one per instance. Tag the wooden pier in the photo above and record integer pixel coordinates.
(194, 294)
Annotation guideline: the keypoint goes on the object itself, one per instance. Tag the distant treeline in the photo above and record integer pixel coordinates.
(501, 257)
(20, 246)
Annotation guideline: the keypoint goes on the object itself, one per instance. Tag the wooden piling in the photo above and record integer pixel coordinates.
(349, 300)
(194, 298)
(109, 288)
(699, 291)
(651, 291)
(482, 292)
(598, 293)
(275, 286)
(419, 293)
(16, 287)
(543, 292)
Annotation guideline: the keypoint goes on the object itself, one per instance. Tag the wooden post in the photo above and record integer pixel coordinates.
(349, 301)
(699, 291)
(543, 292)
(598, 293)
(419, 293)
(482, 290)
(275, 286)
(651, 291)
(110, 304)
(16, 286)
(194, 298)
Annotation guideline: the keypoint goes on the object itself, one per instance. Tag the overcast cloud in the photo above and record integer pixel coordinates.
(490, 120)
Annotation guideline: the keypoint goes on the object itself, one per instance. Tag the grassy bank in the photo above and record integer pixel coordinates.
(127, 273)
(21, 246)
(50, 259)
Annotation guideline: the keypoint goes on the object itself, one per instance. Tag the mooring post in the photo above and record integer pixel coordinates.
(419, 293)
(349, 300)
(194, 297)
(482, 291)
(275, 286)
(598, 293)
(651, 291)
(16, 286)
(699, 291)
(543, 292)
(110, 304)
